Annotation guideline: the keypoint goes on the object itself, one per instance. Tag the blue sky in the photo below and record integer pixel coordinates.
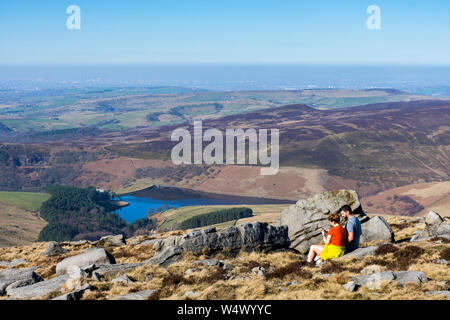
(225, 32)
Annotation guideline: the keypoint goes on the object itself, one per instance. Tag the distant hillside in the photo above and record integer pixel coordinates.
(414, 199)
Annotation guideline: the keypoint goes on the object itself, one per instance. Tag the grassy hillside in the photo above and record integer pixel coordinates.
(263, 213)
(287, 277)
(18, 226)
(29, 201)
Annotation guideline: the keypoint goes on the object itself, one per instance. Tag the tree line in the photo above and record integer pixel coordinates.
(76, 213)
(215, 217)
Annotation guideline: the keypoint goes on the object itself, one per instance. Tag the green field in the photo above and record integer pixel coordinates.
(125, 108)
(29, 201)
(262, 213)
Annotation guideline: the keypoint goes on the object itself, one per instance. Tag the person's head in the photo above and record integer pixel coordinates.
(345, 211)
(334, 218)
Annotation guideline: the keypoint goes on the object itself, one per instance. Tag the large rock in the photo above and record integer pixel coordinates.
(14, 278)
(53, 249)
(307, 217)
(91, 256)
(110, 270)
(376, 229)
(360, 253)
(76, 294)
(435, 226)
(38, 289)
(400, 277)
(404, 277)
(166, 257)
(111, 240)
(247, 237)
(373, 279)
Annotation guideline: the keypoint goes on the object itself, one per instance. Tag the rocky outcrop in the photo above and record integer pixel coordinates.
(376, 229)
(89, 257)
(167, 256)
(15, 278)
(38, 289)
(255, 236)
(435, 226)
(307, 217)
(53, 249)
(111, 240)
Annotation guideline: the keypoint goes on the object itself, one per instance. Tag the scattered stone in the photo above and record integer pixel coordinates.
(325, 275)
(110, 270)
(351, 286)
(444, 293)
(400, 277)
(190, 270)
(167, 256)
(192, 294)
(283, 289)
(111, 240)
(14, 278)
(141, 295)
(287, 284)
(307, 217)
(13, 263)
(370, 269)
(373, 279)
(294, 283)
(38, 289)
(75, 275)
(76, 294)
(260, 272)
(404, 277)
(53, 249)
(375, 229)
(210, 262)
(441, 261)
(79, 242)
(123, 279)
(91, 256)
(435, 226)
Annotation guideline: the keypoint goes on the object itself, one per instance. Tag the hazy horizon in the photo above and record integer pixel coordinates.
(227, 77)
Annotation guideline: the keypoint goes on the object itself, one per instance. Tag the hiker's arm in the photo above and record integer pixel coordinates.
(350, 236)
(327, 240)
